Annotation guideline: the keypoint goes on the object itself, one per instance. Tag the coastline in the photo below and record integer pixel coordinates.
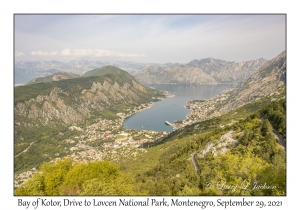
(149, 105)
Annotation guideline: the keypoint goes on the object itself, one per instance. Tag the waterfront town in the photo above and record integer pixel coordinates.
(101, 141)
(109, 140)
(203, 109)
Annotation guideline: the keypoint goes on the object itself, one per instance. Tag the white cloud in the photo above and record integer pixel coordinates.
(39, 52)
(66, 52)
(163, 38)
(97, 53)
(18, 53)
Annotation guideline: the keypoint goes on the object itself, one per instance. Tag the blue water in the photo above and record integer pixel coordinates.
(171, 109)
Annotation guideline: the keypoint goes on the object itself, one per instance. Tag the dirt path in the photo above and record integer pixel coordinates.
(25, 150)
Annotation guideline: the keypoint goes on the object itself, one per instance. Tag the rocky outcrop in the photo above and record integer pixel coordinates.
(221, 146)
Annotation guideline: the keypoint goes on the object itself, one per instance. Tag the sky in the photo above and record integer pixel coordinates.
(148, 38)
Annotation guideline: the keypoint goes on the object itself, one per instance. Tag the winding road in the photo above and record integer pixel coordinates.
(25, 150)
(193, 159)
(280, 139)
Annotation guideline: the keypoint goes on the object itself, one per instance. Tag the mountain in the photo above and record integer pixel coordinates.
(23, 76)
(106, 70)
(179, 74)
(25, 71)
(55, 77)
(52, 118)
(72, 100)
(204, 71)
(270, 79)
(227, 72)
(203, 158)
(262, 83)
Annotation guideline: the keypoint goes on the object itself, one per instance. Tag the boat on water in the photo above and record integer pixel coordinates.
(167, 123)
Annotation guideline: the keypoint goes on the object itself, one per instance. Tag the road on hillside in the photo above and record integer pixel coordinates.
(193, 159)
(279, 139)
(25, 150)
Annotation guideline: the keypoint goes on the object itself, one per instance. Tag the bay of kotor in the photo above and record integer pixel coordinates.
(171, 109)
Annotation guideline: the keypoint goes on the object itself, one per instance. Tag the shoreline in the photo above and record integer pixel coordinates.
(137, 111)
(167, 95)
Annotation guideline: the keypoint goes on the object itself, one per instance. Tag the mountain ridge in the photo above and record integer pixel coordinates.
(74, 99)
(239, 144)
(268, 80)
(54, 77)
(26, 70)
(203, 71)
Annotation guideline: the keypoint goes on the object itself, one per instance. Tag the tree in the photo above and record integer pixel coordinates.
(66, 177)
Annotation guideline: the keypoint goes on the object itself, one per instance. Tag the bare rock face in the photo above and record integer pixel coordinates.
(204, 71)
(262, 83)
(268, 80)
(178, 74)
(64, 104)
(221, 147)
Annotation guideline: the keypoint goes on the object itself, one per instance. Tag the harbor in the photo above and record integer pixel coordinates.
(170, 124)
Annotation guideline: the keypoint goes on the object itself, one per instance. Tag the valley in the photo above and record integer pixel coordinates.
(77, 122)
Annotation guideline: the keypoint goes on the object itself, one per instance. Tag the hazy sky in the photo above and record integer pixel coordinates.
(148, 38)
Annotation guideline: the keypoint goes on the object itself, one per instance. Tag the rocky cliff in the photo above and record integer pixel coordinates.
(269, 80)
(73, 100)
(179, 74)
(204, 71)
(262, 83)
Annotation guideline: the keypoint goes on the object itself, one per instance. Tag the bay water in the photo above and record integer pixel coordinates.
(171, 109)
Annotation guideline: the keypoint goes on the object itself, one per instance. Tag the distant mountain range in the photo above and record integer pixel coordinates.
(71, 98)
(204, 71)
(25, 71)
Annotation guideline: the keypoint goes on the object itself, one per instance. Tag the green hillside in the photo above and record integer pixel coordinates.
(241, 152)
(44, 112)
(74, 85)
(55, 77)
(106, 70)
(167, 169)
